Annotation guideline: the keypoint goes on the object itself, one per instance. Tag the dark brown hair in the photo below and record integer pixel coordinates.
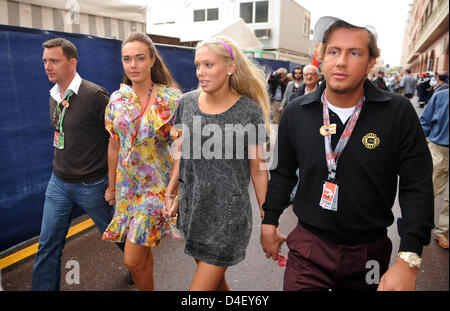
(374, 51)
(159, 73)
(68, 48)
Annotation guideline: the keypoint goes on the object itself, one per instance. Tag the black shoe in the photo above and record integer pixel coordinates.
(130, 279)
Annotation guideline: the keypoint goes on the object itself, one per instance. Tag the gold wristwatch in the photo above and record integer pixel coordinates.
(411, 258)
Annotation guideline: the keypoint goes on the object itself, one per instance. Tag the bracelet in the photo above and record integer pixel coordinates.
(171, 195)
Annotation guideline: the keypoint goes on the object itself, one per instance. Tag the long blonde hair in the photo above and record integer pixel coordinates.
(248, 79)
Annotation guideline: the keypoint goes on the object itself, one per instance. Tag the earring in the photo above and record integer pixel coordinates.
(229, 73)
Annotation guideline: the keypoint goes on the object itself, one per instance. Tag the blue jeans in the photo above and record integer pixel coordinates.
(61, 199)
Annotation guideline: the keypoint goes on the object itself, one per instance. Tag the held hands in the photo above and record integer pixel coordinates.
(110, 196)
(170, 205)
(271, 241)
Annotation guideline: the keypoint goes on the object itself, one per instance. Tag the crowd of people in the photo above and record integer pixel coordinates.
(291, 85)
(148, 161)
(424, 84)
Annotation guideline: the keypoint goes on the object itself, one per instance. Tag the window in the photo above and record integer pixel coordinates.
(247, 12)
(430, 64)
(306, 26)
(212, 14)
(206, 15)
(262, 12)
(199, 15)
(255, 12)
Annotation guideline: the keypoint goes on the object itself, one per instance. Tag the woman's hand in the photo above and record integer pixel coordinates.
(271, 241)
(113, 158)
(110, 196)
(170, 206)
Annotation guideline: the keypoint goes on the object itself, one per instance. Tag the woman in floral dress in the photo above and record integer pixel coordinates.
(139, 117)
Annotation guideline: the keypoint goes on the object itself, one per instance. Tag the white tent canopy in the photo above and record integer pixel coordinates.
(118, 9)
(242, 35)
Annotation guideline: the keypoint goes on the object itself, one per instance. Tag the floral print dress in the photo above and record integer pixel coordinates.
(142, 175)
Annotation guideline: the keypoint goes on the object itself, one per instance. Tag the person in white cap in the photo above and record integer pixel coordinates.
(354, 146)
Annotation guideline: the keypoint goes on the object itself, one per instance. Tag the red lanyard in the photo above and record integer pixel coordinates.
(138, 120)
(136, 126)
(333, 157)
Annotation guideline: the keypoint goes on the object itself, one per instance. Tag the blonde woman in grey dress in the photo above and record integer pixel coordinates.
(223, 125)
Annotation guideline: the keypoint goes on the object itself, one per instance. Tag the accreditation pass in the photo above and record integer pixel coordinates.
(329, 196)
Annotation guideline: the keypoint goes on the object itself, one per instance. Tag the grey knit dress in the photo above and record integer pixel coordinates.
(215, 216)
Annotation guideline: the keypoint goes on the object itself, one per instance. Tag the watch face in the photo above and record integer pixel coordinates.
(414, 260)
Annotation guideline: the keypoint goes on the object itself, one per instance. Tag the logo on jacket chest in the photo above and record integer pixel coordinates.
(371, 141)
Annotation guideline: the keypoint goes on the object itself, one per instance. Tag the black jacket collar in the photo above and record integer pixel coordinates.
(371, 92)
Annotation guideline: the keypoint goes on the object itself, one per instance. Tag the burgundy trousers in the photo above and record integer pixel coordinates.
(317, 264)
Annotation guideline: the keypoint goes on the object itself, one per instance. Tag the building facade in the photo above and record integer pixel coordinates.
(425, 42)
(110, 19)
(282, 26)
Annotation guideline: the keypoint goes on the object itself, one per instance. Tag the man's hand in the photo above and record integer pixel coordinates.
(110, 196)
(399, 277)
(271, 241)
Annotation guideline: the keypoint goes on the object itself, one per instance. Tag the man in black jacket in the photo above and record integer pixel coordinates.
(351, 143)
(277, 86)
(424, 90)
(379, 81)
